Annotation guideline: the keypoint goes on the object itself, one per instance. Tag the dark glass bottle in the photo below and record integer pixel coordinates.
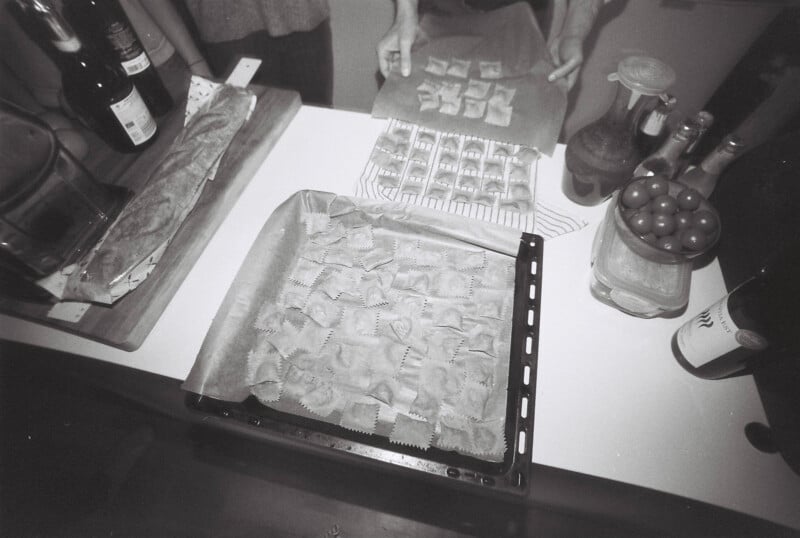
(762, 312)
(664, 160)
(601, 156)
(99, 92)
(703, 178)
(105, 22)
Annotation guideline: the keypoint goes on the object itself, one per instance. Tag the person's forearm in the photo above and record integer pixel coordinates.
(171, 23)
(407, 9)
(580, 17)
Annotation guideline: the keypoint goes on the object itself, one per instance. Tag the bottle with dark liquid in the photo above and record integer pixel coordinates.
(601, 156)
(760, 313)
(105, 22)
(100, 93)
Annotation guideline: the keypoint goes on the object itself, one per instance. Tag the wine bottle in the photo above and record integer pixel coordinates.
(664, 160)
(100, 93)
(760, 313)
(105, 22)
(703, 178)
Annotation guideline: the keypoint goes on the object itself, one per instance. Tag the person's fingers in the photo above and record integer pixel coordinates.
(405, 57)
(406, 38)
(572, 78)
(383, 63)
(386, 51)
(553, 49)
(563, 70)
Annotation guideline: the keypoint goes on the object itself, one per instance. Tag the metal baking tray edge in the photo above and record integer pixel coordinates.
(509, 478)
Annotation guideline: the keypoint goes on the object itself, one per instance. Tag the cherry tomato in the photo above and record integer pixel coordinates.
(635, 195)
(641, 222)
(670, 243)
(705, 221)
(627, 214)
(663, 224)
(664, 203)
(694, 239)
(689, 199)
(683, 219)
(656, 185)
(649, 238)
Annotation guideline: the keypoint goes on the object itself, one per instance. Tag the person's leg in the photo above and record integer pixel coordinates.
(307, 64)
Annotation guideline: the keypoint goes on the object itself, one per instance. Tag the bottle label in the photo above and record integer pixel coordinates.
(137, 65)
(135, 118)
(654, 124)
(712, 333)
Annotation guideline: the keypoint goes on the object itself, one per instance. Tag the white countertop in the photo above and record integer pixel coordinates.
(611, 401)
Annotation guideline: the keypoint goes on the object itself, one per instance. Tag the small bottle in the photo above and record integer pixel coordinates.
(664, 160)
(762, 312)
(703, 120)
(106, 22)
(100, 93)
(653, 129)
(703, 178)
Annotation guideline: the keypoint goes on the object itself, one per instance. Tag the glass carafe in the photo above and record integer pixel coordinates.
(601, 156)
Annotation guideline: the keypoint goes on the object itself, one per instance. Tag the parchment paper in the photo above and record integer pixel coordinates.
(220, 370)
(509, 35)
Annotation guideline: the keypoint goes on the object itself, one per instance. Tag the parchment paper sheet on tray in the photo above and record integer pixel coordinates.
(476, 72)
(378, 317)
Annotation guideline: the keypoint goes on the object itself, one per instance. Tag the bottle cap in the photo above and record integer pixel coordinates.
(704, 119)
(688, 130)
(733, 143)
(645, 75)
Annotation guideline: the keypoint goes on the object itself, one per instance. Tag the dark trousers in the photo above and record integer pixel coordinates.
(301, 61)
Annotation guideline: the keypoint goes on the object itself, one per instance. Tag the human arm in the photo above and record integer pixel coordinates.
(170, 22)
(400, 37)
(572, 22)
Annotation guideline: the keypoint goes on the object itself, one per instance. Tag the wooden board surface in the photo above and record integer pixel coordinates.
(127, 322)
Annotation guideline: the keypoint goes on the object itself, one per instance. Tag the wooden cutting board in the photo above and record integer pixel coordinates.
(126, 323)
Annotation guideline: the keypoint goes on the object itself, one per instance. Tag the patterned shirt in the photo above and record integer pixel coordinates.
(227, 20)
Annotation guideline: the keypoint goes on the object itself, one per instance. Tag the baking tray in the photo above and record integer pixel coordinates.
(510, 477)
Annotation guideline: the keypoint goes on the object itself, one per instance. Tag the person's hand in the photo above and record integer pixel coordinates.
(567, 55)
(201, 69)
(396, 44)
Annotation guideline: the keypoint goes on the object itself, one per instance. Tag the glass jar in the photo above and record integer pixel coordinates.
(631, 273)
(51, 209)
(601, 156)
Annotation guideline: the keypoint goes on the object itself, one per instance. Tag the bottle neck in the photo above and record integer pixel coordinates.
(624, 108)
(56, 29)
(673, 147)
(717, 161)
(70, 45)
